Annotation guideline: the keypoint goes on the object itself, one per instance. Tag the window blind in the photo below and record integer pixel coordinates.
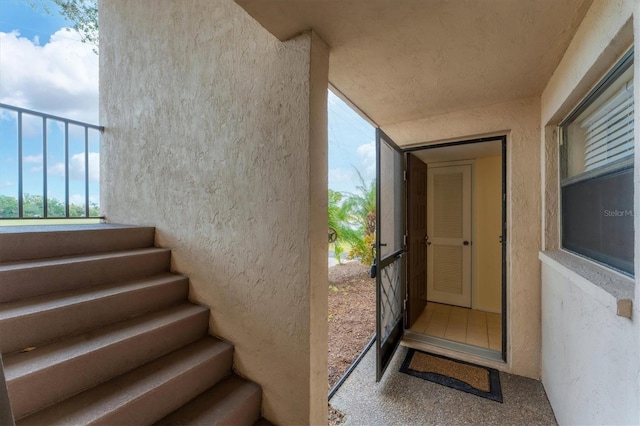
(609, 130)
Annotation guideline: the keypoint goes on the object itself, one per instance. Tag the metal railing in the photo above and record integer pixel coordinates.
(41, 134)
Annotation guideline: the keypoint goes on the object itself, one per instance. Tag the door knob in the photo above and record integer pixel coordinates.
(466, 243)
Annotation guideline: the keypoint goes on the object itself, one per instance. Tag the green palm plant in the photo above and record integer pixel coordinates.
(341, 219)
(353, 216)
(361, 205)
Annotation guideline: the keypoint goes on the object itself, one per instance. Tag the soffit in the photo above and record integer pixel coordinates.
(400, 60)
(469, 151)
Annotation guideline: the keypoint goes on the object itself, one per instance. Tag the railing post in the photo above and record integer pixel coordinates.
(45, 202)
(20, 159)
(66, 169)
(86, 171)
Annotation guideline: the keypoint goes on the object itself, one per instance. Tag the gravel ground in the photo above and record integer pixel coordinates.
(352, 322)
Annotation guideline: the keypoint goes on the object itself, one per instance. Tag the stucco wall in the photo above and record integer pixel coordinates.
(589, 354)
(216, 135)
(590, 362)
(604, 34)
(520, 122)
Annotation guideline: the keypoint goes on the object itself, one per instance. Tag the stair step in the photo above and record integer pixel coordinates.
(38, 277)
(147, 393)
(44, 241)
(53, 372)
(233, 401)
(38, 320)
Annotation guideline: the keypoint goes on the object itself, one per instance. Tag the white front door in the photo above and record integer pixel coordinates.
(449, 235)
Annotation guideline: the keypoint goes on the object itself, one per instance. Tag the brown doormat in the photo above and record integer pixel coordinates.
(460, 375)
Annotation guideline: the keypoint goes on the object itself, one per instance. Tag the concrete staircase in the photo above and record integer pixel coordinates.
(95, 329)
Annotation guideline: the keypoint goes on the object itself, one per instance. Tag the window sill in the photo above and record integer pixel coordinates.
(603, 284)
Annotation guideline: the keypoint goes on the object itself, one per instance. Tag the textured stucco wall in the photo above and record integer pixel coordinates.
(590, 362)
(520, 121)
(216, 134)
(589, 354)
(604, 34)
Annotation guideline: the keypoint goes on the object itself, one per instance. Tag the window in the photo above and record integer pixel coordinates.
(596, 161)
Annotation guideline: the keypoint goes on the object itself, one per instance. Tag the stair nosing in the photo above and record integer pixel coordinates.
(178, 366)
(72, 259)
(241, 389)
(69, 298)
(85, 227)
(67, 350)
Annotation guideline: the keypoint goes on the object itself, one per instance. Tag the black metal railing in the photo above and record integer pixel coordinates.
(66, 152)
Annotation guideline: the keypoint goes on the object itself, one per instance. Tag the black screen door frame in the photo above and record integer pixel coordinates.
(391, 261)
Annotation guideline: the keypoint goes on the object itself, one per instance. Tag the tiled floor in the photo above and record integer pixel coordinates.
(478, 328)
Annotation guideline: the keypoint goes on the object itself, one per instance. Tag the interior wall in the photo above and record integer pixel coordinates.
(215, 133)
(520, 121)
(487, 219)
(590, 365)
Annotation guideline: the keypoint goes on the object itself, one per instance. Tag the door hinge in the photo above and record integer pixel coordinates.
(404, 241)
(405, 175)
(404, 305)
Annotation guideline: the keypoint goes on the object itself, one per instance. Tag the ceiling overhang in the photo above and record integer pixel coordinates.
(401, 60)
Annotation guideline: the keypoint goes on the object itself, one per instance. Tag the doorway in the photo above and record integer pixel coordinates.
(454, 253)
(464, 240)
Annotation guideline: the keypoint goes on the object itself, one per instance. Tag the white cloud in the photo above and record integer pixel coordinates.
(32, 158)
(367, 153)
(59, 77)
(5, 114)
(76, 199)
(338, 176)
(76, 167)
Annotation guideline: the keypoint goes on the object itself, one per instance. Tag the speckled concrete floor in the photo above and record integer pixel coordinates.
(400, 399)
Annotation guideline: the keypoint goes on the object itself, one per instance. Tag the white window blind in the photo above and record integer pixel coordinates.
(609, 130)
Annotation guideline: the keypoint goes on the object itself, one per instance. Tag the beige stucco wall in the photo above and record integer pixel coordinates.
(590, 365)
(216, 134)
(487, 220)
(605, 34)
(520, 122)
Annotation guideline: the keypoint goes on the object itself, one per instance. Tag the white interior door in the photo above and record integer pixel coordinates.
(449, 235)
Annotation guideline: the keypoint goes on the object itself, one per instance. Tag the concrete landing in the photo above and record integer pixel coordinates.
(400, 399)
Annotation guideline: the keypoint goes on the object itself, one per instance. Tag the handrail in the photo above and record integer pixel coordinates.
(51, 117)
(18, 113)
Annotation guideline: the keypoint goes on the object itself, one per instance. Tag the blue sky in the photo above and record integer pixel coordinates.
(18, 14)
(44, 67)
(351, 147)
